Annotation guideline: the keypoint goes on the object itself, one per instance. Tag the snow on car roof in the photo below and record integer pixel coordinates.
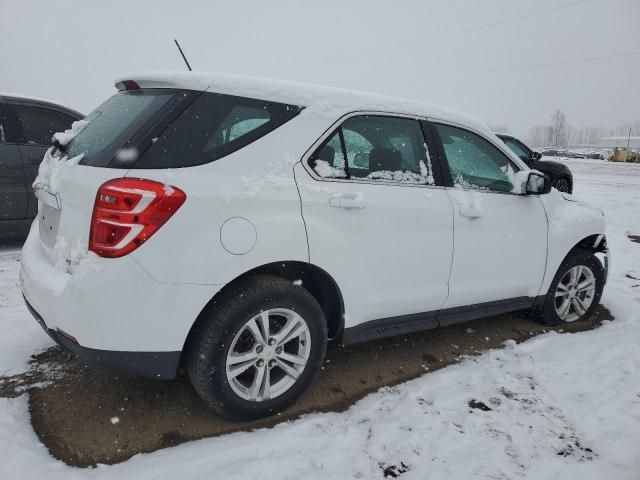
(330, 101)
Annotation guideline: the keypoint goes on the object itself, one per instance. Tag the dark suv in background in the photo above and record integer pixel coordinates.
(561, 177)
(26, 128)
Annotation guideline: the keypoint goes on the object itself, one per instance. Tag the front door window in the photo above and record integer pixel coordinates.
(474, 162)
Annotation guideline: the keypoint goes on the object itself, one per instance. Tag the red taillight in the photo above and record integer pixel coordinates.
(127, 211)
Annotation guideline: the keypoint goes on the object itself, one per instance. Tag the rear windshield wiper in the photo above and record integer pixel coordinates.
(59, 147)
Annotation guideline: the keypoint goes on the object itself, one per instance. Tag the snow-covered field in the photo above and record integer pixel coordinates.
(561, 405)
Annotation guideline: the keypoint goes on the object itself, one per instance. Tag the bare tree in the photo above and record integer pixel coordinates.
(559, 129)
(560, 134)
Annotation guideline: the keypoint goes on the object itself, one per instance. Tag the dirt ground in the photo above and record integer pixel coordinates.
(72, 407)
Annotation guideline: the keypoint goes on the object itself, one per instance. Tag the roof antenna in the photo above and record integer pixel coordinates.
(182, 53)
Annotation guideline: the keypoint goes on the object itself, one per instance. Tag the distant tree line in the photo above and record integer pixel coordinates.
(558, 133)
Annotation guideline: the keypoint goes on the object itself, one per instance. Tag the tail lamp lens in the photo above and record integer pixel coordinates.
(128, 211)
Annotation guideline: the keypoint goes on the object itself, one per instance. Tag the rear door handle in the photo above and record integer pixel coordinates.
(347, 200)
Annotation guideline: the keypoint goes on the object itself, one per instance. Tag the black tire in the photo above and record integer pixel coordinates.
(211, 341)
(562, 184)
(547, 314)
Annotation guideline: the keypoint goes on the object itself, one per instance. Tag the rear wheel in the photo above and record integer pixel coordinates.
(575, 291)
(259, 349)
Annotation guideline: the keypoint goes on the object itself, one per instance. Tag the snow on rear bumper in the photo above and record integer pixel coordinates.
(113, 306)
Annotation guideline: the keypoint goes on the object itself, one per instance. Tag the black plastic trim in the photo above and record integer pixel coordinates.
(405, 324)
(158, 365)
(453, 315)
(389, 327)
(441, 173)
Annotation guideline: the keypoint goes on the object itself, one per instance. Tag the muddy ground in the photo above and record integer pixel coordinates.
(73, 409)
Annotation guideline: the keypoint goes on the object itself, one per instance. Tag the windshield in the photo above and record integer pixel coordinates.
(113, 123)
(517, 148)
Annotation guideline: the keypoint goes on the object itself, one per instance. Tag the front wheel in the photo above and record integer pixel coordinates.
(562, 184)
(575, 290)
(259, 349)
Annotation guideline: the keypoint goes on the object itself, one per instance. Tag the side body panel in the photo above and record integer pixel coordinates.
(245, 202)
(500, 247)
(390, 258)
(570, 222)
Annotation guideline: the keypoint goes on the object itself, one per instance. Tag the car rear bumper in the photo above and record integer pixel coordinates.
(111, 313)
(159, 365)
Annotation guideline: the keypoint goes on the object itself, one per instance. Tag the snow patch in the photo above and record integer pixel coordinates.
(325, 170)
(63, 138)
(518, 180)
(50, 169)
(70, 257)
(277, 175)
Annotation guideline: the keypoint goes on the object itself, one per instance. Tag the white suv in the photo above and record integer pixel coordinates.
(234, 225)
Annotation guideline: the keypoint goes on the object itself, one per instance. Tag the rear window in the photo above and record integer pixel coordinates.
(213, 126)
(162, 128)
(112, 124)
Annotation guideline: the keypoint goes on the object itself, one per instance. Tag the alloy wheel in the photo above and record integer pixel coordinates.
(268, 354)
(575, 293)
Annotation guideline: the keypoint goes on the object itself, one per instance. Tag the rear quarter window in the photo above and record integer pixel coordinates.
(214, 126)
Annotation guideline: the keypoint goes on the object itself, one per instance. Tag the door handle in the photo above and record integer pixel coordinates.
(470, 212)
(347, 200)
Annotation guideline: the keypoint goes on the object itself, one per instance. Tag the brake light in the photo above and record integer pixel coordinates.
(127, 212)
(127, 85)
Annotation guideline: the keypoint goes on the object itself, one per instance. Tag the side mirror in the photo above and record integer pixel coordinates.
(538, 183)
(536, 156)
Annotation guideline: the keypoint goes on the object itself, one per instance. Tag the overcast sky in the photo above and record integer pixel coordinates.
(474, 56)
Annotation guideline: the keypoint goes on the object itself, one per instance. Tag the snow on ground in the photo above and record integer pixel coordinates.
(557, 406)
(20, 336)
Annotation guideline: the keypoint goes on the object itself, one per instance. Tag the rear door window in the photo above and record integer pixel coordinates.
(39, 124)
(214, 126)
(377, 148)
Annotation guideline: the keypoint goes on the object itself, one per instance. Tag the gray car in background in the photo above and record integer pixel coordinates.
(26, 128)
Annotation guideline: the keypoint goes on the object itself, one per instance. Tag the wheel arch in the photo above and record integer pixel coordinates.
(595, 243)
(316, 280)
